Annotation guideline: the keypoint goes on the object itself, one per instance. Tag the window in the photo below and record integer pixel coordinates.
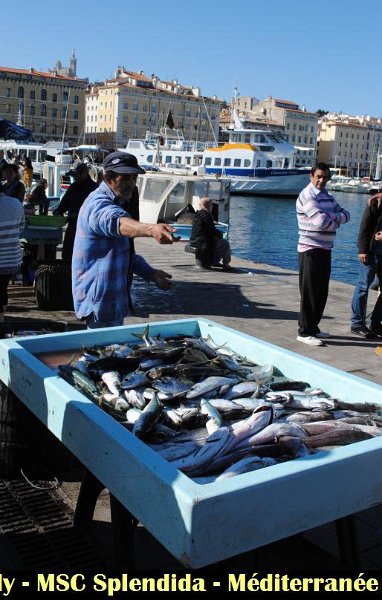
(43, 94)
(217, 162)
(247, 162)
(54, 97)
(227, 162)
(43, 110)
(43, 127)
(54, 129)
(65, 96)
(75, 114)
(54, 112)
(125, 105)
(32, 95)
(76, 100)
(135, 106)
(20, 92)
(64, 112)
(8, 92)
(75, 130)
(32, 110)
(208, 161)
(237, 162)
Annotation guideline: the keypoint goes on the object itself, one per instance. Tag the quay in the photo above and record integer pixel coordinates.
(258, 299)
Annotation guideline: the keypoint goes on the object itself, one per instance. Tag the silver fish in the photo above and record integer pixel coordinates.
(245, 465)
(241, 389)
(211, 383)
(214, 420)
(148, 418)
(133, 380)
(135, 398)
(112, 379)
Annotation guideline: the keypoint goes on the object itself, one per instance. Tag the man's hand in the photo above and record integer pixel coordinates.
(376, 198)
(363, 258)
(161, 279)
(163, 233)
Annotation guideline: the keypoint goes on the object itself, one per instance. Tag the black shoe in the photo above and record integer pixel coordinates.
(364, 332)
(377, 330)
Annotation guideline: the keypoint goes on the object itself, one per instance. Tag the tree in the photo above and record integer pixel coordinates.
(321, 112)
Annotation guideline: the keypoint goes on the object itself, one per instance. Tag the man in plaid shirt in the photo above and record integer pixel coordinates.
(103, 256)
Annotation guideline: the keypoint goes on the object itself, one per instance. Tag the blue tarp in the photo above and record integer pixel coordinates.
(12, 131)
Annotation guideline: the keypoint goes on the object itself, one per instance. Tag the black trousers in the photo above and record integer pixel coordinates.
(4, 282)
(314, 276)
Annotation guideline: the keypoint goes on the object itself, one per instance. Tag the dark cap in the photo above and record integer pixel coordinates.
(121, 162)
(80, 169)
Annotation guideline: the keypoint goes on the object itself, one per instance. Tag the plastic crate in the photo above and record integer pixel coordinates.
(46, 221)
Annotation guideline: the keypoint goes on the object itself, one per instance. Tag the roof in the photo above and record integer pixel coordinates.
(32, 71)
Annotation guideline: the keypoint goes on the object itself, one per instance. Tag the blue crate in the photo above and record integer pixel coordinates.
(201, 524)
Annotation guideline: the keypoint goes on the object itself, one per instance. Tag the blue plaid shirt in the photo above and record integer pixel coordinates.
(102, 259)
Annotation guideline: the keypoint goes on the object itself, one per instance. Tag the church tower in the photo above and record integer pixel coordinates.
(73, 65)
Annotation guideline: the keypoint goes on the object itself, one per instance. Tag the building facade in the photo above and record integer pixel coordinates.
(298, 125)
(133, 105)
(350, 144)
(49, 104)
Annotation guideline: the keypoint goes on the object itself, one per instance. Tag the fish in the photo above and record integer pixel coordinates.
(310, 416)
(81, 381)
(148, 418)
(135, 379)
(112, 380)
(135, 398)
(214, 418)
(171, 387)
(261, 374)
(244, 388)
(203, 387)
(246, 465)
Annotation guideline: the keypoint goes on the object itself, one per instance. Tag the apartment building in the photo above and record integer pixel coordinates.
(350, 144)
(133, 104)
(51, 104)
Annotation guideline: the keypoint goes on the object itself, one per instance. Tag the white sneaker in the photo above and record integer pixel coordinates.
(310, 340)
(323, 335)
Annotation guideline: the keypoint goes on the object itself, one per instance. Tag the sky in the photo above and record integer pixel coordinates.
(321, 54)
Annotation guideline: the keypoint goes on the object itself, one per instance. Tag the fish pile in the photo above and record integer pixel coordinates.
(212, 412)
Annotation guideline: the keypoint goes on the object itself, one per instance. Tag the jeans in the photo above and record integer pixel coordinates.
(92, 323)
(367, 273)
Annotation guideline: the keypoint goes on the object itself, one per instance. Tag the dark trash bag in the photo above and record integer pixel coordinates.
(53, 286)
(27, 447)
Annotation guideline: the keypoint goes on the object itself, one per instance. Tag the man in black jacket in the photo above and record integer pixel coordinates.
(370, 264)
(207, 239)
(71, 203)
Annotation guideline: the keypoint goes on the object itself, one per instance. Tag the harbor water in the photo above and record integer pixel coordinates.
(265, 230)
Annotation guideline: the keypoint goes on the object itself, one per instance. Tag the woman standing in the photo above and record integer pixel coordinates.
(28, 173)
(12, 221)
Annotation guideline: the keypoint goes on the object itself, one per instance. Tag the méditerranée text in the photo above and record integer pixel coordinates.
(189, 582)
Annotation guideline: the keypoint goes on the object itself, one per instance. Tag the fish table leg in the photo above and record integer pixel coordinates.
(348, 544)
(90, 489)
(122, 521)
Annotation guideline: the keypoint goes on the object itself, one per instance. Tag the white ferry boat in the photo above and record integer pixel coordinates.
(258, 161)
(168, 150)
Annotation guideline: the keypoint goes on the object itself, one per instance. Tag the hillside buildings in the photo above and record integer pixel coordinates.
(133, 104)
(350, 144)
(51, 104)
